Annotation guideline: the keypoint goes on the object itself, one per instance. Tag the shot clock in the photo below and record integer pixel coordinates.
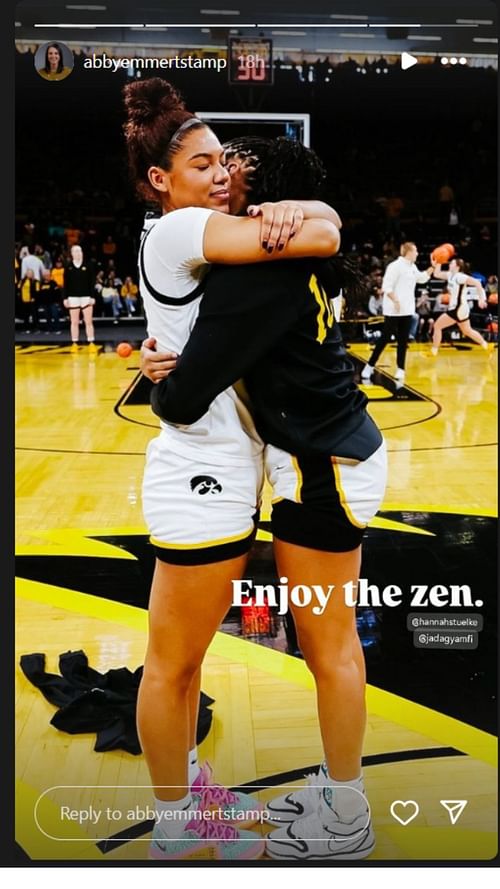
(250, 61)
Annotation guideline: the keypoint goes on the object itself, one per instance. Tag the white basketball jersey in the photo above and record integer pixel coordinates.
(171, 272)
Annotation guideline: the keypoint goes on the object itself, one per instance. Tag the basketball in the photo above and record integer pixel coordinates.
(443, 253)
(445, 298)
(124, 350)
(493, 299)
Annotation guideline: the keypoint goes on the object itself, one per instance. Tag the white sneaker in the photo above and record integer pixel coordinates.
(367, 372)
(399, 375)
(324, 836)
(299, 803)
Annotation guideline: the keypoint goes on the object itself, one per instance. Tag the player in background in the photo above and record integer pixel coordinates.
(398, 288)
(458, 310)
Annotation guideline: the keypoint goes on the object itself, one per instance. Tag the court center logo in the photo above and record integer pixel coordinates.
(205, 484)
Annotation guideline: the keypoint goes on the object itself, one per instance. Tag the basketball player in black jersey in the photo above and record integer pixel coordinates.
(325, 458)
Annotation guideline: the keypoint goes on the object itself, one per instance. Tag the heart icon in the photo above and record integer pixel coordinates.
(412, 810)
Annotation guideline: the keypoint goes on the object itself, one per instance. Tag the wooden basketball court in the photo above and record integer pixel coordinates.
(81, 435)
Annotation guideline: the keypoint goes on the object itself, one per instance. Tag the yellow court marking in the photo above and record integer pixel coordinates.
(377, 392)
(38, 846)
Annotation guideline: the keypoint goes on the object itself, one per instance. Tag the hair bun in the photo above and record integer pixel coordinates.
(145, 100)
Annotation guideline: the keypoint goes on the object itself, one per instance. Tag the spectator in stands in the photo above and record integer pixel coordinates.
(98, 285)
(371, 330)
(425, 320)
(50, 299)
(376, 302)
(44, 255)
(111, 296)
(129, 293)
(57, 272)
(28, 295)
(33, 263)
(492, 285)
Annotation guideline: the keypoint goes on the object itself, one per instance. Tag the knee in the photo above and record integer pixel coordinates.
(163, 671)
(325, 661)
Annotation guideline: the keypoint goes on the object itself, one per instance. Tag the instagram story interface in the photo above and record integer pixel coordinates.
(256, 293)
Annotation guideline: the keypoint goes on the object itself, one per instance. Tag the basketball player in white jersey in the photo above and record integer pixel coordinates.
(458, 310)
(199, 506)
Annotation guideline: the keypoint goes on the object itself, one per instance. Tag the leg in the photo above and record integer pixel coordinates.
(404, 323)
(194, 706)
(89, 327)
(442, 322)
(388, 330)
(468, 331)
(173, 660)
(332, 650)
(74, 315)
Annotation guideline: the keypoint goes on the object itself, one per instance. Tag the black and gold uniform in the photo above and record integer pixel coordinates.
(273, 325)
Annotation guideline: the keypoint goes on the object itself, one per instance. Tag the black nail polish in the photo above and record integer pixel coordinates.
(269, 249)
(280, 246)
(264, 245)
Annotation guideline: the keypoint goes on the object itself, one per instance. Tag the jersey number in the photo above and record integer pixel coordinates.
(325, 313)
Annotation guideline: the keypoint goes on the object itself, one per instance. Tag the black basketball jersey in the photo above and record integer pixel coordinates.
(273, 325)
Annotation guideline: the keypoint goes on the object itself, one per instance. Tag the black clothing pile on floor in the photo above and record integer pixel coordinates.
(90, 701)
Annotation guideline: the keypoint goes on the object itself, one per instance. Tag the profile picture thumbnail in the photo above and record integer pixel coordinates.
(54, 61)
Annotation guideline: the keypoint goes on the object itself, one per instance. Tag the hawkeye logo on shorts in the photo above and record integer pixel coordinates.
(205, 484)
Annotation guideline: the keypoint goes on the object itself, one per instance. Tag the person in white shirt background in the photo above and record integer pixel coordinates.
(458, 309)
(30, 261)
(398, 287)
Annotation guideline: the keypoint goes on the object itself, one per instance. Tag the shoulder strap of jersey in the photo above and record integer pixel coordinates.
(162, 297)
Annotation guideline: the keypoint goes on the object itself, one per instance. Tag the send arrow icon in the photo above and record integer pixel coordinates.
(454, 807)
(407, 60)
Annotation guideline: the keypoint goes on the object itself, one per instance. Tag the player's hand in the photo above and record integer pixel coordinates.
(155, 365)
(482, 303)
(280, 222)
(434, 264)
(397, 304)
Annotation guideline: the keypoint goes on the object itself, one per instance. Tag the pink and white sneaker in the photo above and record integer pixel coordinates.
(231, 807)
(210, 840)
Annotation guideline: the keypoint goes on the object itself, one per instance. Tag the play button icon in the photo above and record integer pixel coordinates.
(407, 61)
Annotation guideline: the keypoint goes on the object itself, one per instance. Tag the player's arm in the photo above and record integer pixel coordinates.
(437, 273)
(423, 277)
(283, 220)
(228, 338)
(235, 240)
(481, 295)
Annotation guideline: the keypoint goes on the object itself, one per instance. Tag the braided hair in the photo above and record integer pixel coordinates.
(285, 168)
